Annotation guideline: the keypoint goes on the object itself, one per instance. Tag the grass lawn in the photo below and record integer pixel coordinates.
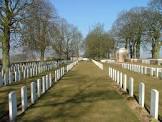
(4, 91)
(150, 83)
(85, 94)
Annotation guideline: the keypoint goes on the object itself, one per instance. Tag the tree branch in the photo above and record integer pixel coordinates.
(16, 4)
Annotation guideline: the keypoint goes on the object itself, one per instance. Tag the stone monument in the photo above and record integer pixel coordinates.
(121, 55)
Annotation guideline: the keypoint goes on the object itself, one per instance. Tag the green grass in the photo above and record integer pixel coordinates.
(85, 94)
(5, 90)
(150, 83)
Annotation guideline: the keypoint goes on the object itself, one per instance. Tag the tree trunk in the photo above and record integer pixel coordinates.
(138, 50)
(126, 43)
(42, 54)
(6, 39)
(155, 50)
(131, 51)
(6, 49)
(67, 49)
(153, 53)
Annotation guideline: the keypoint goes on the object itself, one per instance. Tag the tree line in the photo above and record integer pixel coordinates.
(98, 43)
(35, 24)
(139, 27)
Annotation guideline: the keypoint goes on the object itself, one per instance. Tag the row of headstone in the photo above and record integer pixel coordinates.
(21, 66)
(121, 80)
(70, 66)
(157, 72)
(98, 64)
(111, 61)
(18, 75)
(59, 73)
(83, 59)
(37, 89)
(148, 61)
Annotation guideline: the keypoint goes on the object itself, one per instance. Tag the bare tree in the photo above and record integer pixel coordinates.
(156, 4)
(66, 39)
(56, 40)
(36, 28)
(11, 15)
(129, 28)
(153, 27)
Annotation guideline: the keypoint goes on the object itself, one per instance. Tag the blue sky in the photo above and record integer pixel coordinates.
(85, 13)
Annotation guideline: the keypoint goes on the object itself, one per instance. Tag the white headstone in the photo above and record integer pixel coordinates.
(125, 82)
(43, 84)
(154, 103)
(55, 76)
(50, 79)
(58, 77)
(47, 82)
(131, 80)
(24, 73)
(157, 72)
(141, 94)
(38, 87)
(33, 92)
(24, 98)
(118, 77)
(28, 73)
(115, 75)
(121, 79)
(10, 77)
(16, 76)
(31, 72)
(12, 106)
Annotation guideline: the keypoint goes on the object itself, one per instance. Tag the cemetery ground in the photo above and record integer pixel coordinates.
(84, 94)
(149, 81)
(4, 91)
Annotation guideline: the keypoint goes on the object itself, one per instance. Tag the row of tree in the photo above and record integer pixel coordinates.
(140, 27)
(98, 43)
(36, 25)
